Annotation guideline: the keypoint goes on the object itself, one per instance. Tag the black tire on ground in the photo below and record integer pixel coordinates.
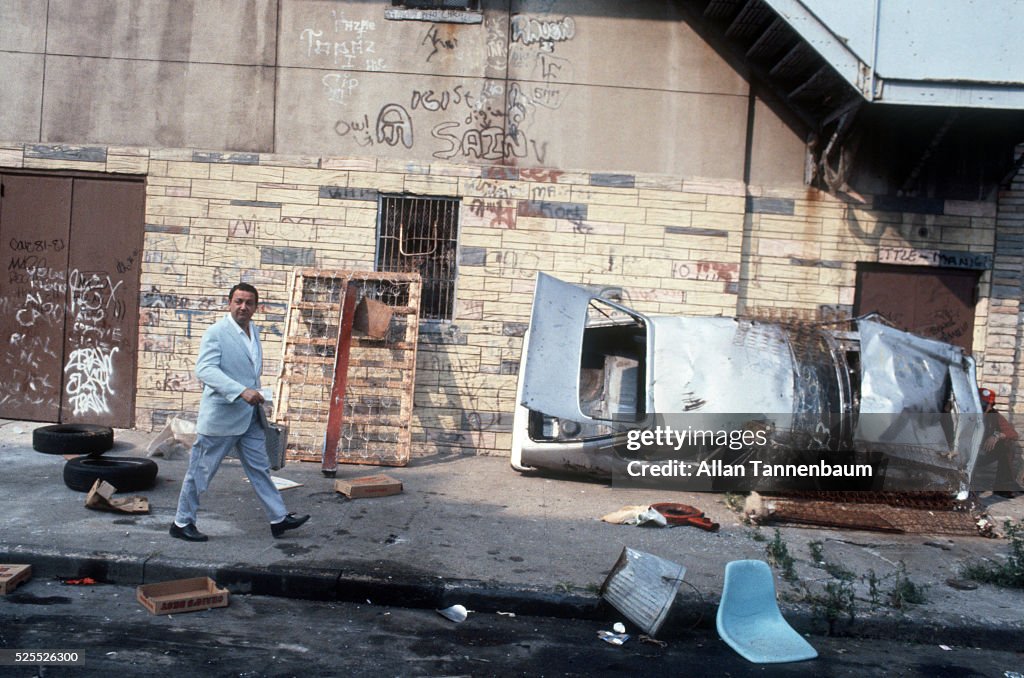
(127, 474)
(73, 439)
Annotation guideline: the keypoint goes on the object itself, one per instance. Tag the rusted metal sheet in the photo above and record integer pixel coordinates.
(336, 416)
(35, 218)
(370, 423)
(69, 306)
(102, 303)
(859, 516)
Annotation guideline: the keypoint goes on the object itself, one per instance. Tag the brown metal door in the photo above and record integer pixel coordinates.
(102, 304)
(933, 302)
(34, 222)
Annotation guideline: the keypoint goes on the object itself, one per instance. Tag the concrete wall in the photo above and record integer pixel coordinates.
(615, 170)
(600, 86)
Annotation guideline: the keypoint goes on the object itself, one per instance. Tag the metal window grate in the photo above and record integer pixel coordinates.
(420, 235)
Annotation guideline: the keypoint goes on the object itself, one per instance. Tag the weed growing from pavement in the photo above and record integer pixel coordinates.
(874, 590)
(835, 602)
(1009, 574)
(735, 501)
(905, 591)
(817, 552)
(837, 597)
(778, 556)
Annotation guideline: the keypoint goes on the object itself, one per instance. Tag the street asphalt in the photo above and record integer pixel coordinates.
(472, 531)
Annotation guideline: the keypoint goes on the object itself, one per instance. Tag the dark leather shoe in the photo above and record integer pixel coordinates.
(290, 522)
(188, 533)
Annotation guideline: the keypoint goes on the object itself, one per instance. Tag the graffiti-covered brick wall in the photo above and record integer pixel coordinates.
(660, 244)
(656, 243)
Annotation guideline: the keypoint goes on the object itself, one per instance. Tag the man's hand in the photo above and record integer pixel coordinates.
(991, 442)
(252, 397)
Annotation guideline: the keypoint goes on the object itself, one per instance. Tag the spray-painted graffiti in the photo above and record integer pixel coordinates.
(490, 143)
(89, 372)
(358, 127)
(339, 87)
(531, 30)
(705, 270)
(497, 46)
(394, 126)
(348, 46)
(499, 214)
(512, 264)
(37, 308)
(490, 124)
(437, 42)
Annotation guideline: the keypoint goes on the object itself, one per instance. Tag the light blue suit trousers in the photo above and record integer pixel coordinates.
(207, 454)
(226, 368)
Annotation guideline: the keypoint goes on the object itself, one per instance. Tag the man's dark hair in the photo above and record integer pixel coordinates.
(245, 287)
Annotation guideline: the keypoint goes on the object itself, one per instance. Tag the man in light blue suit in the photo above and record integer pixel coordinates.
(229, 365)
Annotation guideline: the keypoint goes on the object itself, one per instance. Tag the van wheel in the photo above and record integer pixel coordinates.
(127, 474)
(73, 439)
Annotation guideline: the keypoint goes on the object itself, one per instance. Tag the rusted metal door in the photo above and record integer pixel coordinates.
(34, 224)
(102, 304)
(933, 302)
(68, 303)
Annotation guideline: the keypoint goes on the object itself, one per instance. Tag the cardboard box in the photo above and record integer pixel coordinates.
(368, 486)
(101, 498)
(181, 595)
(11, 576)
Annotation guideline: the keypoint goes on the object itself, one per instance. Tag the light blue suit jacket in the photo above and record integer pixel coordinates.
(226, 369)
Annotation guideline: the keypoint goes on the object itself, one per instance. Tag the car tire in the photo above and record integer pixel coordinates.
(127, 474)
(73, 439)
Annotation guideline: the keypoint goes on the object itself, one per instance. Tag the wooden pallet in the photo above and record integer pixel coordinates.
(12, 576)
(347, 397)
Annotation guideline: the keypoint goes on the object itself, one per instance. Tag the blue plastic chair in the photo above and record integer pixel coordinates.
(749, 619)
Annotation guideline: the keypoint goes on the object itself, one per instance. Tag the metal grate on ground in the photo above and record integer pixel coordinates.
(346, 396)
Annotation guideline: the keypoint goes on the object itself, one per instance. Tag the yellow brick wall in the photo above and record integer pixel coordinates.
(664, 244)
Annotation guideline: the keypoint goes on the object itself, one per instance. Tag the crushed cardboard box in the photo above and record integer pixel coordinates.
(11, 576)
(181, 595)
(100, 497)
(379, 485)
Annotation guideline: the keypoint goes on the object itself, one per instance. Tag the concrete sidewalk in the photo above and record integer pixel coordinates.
(471, 530)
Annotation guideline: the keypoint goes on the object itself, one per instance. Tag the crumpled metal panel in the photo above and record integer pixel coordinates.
(705, 365)
(551, 378)
(642, 587)
(905, 381)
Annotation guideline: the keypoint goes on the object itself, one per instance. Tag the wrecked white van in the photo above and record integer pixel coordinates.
(593, 370)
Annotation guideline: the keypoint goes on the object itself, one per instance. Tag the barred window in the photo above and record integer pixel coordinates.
(420, 235)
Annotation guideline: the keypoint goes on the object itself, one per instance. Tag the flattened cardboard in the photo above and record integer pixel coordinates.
(11, 576)
(379, 485)
(181, 595)
(100, 497)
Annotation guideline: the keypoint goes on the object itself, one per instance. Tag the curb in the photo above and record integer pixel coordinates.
(345, 583)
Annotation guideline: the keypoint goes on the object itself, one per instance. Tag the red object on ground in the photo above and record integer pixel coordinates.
(84, 581)
(684, 514)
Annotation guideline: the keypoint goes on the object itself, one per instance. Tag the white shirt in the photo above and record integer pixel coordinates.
(250, 340)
